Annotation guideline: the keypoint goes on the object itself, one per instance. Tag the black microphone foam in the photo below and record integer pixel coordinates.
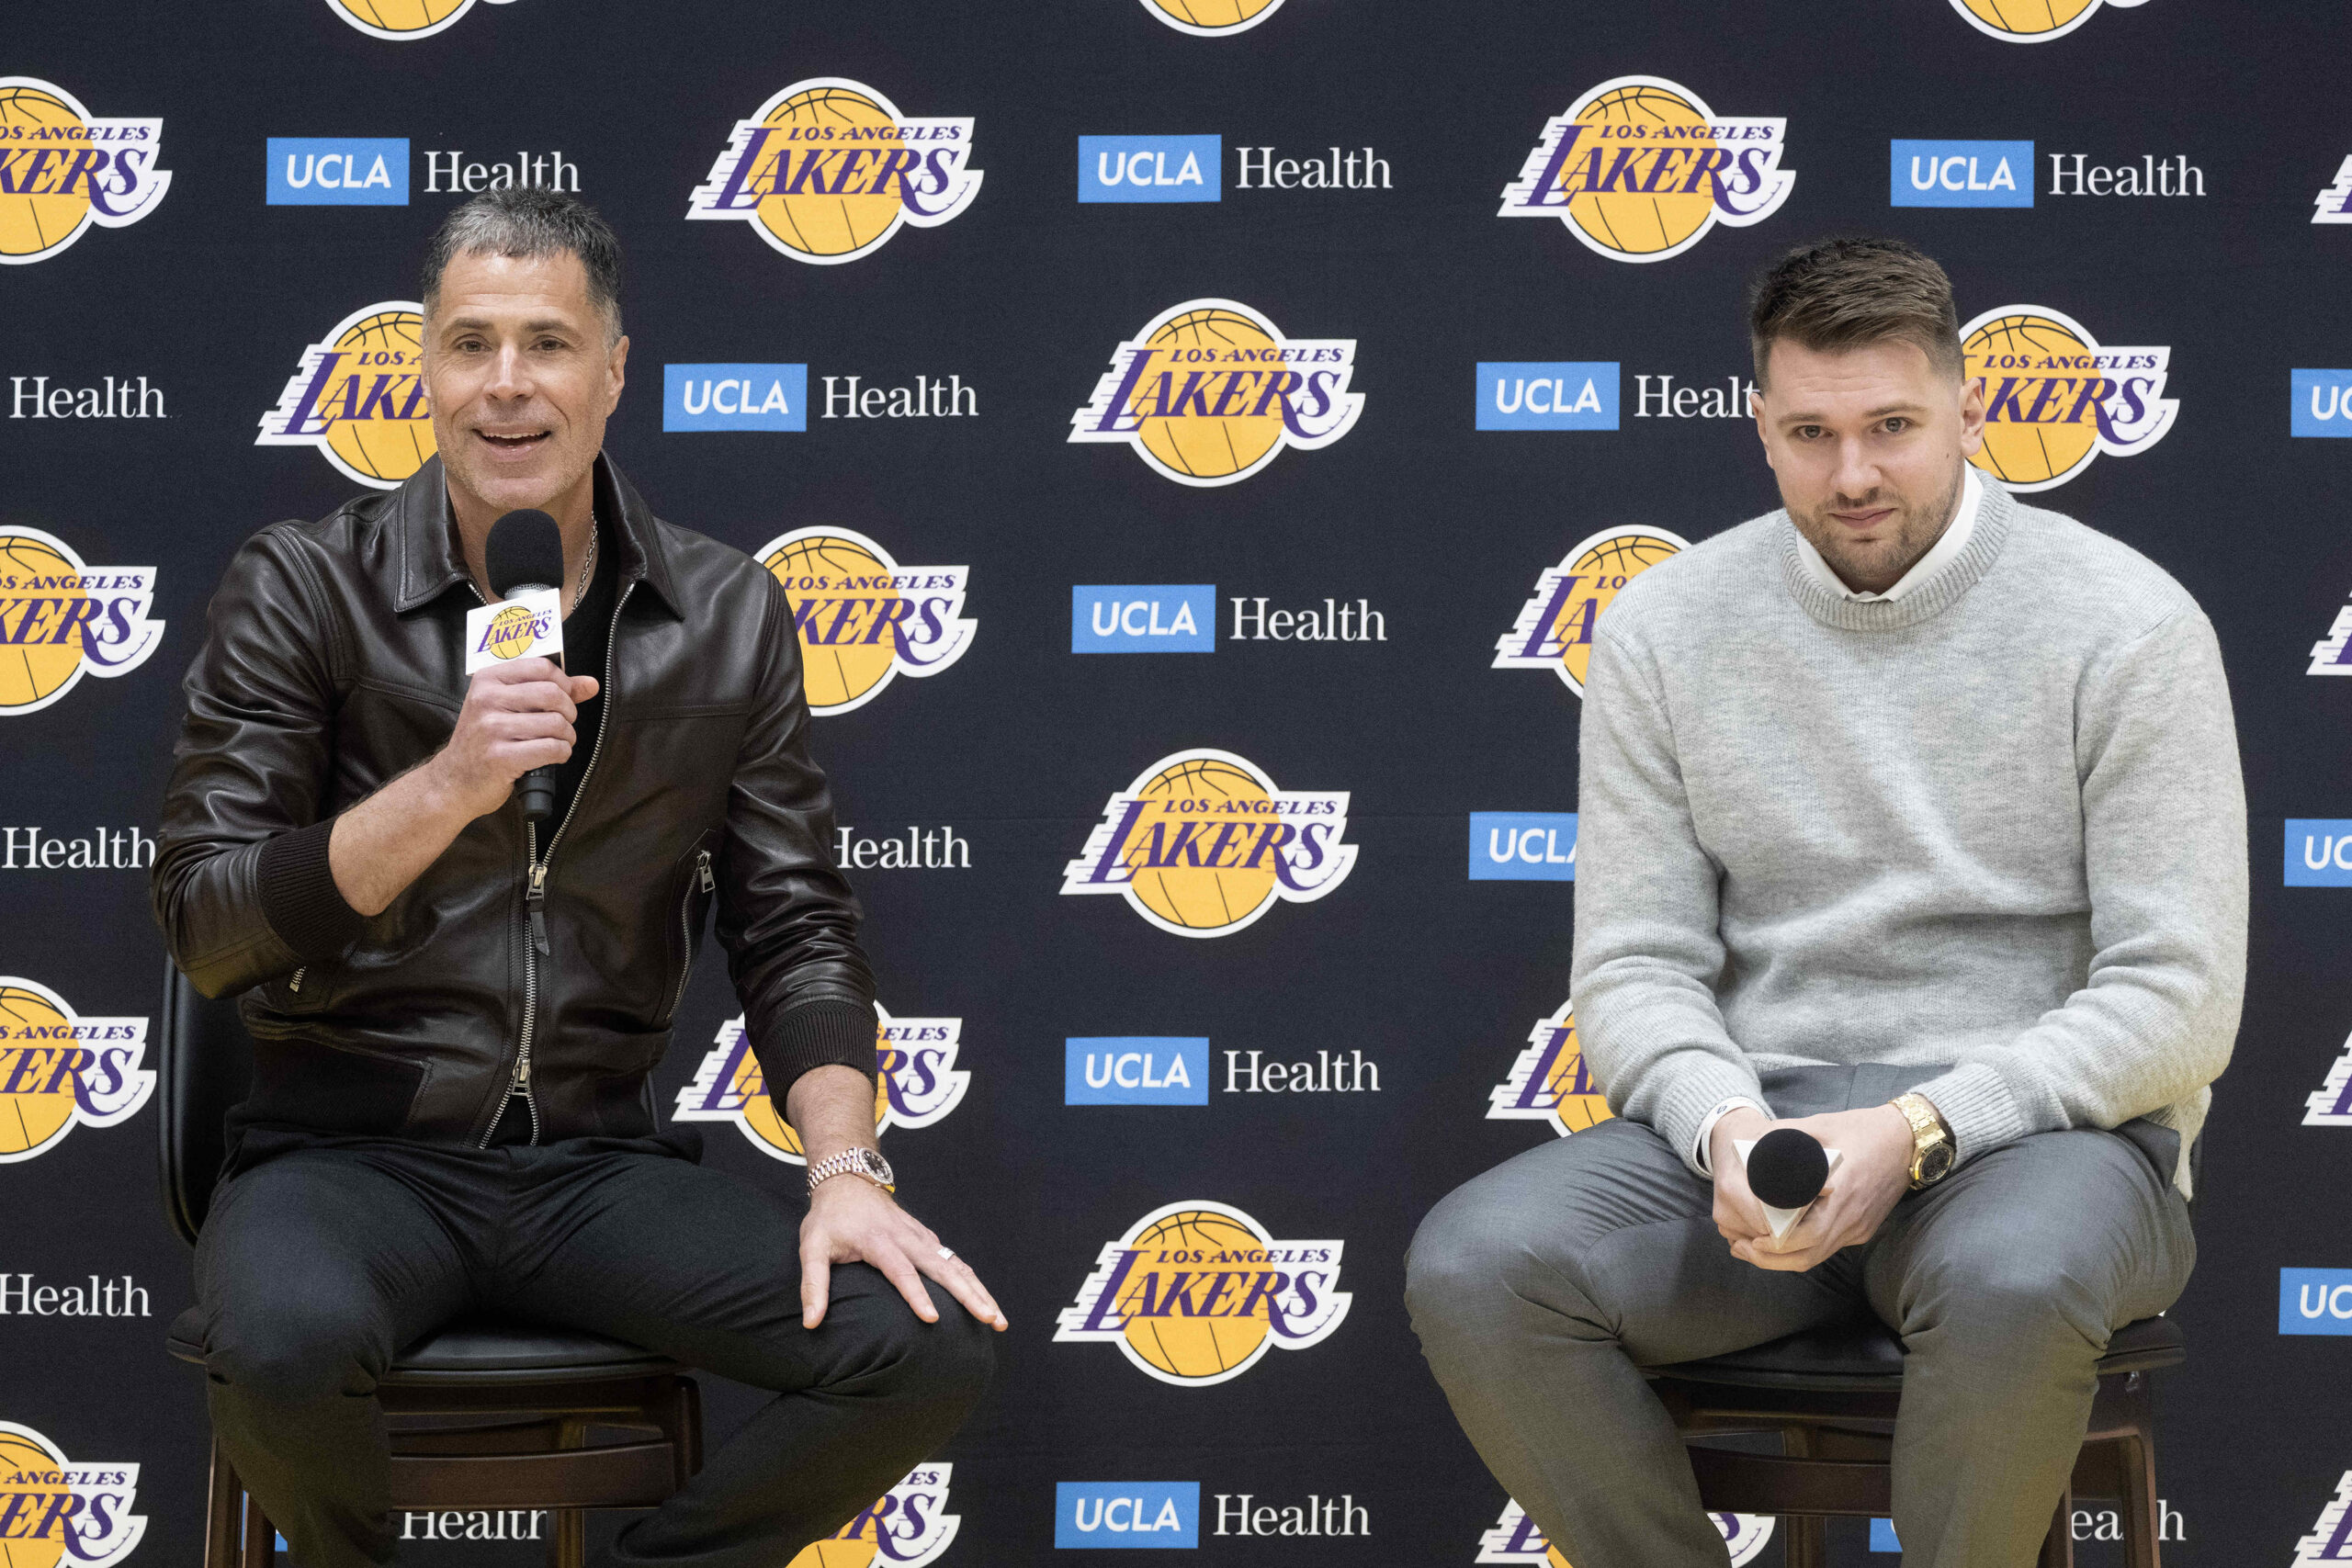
(525, 551)
(1787, 1167)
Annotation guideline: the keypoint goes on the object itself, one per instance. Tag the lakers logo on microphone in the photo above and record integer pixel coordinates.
(1212, 18)
(2036, 23)
(1549, 1081)
(1640, 169)
(861, 617)
(1554, 626)
(1196, 1292)
(55, 1512)
(1518, 1538)
(66, 620)
(1202, 843)
(908, 1527)
(2054, 399)
(1210, 390)
(827, 169)
(918, 1083)
(63, 169)
(359, 397)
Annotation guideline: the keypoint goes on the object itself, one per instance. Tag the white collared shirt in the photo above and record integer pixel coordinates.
(1954, 540)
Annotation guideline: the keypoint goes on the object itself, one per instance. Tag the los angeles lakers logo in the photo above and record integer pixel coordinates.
(63, 169)
(60, 1070)
(1212, 18)
(1640, 169)
(1197, 1292)
(359, 397)
(66, 620)
(1210, 390)
(1549, 1082)
(2331, 1538)
(1518, 1538)
(1202, 843)
(514, 631)
(918, 1083)
(828, 170)
(2054, 399)
(862, 618)
(57, 1514)
(909, 1527)
(403, 20)
(1554, 626)
(2031, 21)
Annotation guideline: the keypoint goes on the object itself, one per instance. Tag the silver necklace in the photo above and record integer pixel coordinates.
(587, 564)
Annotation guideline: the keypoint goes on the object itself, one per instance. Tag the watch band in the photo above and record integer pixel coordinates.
(853, 1162)
(1929, 1138)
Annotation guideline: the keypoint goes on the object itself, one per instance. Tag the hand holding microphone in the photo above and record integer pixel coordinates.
(1844, 1199)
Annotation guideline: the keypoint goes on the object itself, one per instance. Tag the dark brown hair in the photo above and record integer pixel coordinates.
(1841, 294)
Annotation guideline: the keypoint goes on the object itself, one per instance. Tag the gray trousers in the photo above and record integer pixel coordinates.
(1540, 1289)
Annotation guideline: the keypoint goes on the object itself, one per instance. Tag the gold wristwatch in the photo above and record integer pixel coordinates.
(1931, 1146)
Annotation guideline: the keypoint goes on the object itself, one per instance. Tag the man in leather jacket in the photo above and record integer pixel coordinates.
(455, 1013)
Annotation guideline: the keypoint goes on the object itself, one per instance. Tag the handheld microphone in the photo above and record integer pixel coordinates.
(524, 555)
(1787, 1168)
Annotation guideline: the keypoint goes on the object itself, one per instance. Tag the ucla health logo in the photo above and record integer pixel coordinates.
(1641, 169)
(359, 397)
(1204, 842)
(337, 171)
(1212, 18)
(66, 620)
(1548, 395)
(827, 169)
(2054, 399)
(2316, 1301)
(1150, 168)
(1210, 390)
(2321, 402)
(735, 397)
(1960, 174)
(907, 1527)
(60, 1070)
(60, 1511)
(63, 169)
(1523, 846)
(1554, 626)
(1196, 1292)
(2331, 1104)
(1549, 1081)
(919, 1082)
(403, 21)
(2331, 1538)
(1136, 1069)
(2034, 23)
(1517, 1538)
(1109, 1514)
(1148, 617)
(864, 619)
(2319, 851)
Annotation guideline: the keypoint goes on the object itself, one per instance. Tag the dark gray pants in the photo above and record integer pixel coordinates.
(1540, 1288)
(316, 1266)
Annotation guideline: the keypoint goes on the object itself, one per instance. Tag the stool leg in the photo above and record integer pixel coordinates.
(223, 1497)
(567, 1527)
(2136, 1459)
(1807, 1539)
(2058, 1546)
(261, 1538)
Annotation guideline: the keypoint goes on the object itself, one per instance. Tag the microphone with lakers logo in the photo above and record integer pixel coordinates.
(523, 559)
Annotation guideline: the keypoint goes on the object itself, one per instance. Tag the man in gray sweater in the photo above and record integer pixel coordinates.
(1912, 818)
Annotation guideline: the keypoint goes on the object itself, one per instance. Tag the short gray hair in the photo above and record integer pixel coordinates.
(522, 220)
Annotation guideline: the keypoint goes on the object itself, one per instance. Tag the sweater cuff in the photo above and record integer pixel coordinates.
(298, 898)
(825, 1033)
(1700, 1081)
(1978, 1108)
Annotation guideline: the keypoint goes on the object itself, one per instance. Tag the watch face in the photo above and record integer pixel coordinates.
(874, 1165)
(1936, 1164)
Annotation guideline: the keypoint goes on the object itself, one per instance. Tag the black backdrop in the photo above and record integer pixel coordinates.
(213, 293)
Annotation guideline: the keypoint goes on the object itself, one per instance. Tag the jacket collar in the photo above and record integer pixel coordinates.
(427, 537)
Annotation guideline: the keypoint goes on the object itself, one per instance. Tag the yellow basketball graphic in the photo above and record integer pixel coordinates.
(24, 1467)
(1630, 221)
(814, 222)
(514, 631)
(32, 225)
(2036, 453)
(33, 670)
(34, 1115)
(1191, 1347)
(403, 22)
(2031, 21)
(1211, 16)
(1212, 446)
(1606, 566)
(857, 1554)
(1578, 1103)
(836, 674)
(385, 349)
(1200, 897)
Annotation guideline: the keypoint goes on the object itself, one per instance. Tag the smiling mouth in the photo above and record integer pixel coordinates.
(521, 442)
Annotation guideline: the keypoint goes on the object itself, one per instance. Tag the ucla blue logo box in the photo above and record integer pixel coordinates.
(338, 170)
(1962, 174)
(1127, 1514)
(1548, 395)
(735, 397)
(2319, 851)
(1136, 1069)
(2323, 402)
(1523, 846)
(1150, 168)
(2316, 1301)
(1142, 617)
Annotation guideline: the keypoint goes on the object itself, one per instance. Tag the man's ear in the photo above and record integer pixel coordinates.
(617, 373)
(1971, 417)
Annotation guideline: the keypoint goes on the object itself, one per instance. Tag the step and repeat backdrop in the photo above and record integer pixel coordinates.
(1198, 437)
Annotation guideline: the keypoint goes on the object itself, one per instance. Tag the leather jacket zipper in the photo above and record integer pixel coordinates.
(295, 984)
(686, 924)
(535, 895)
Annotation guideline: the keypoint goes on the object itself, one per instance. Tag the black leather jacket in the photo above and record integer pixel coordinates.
(331, 663)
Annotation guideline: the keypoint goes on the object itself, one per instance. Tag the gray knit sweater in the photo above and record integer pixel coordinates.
(1995, 827)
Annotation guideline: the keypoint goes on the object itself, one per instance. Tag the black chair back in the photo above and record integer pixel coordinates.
(204, 1065)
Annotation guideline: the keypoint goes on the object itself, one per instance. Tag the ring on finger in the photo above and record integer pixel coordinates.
(946, 1252)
